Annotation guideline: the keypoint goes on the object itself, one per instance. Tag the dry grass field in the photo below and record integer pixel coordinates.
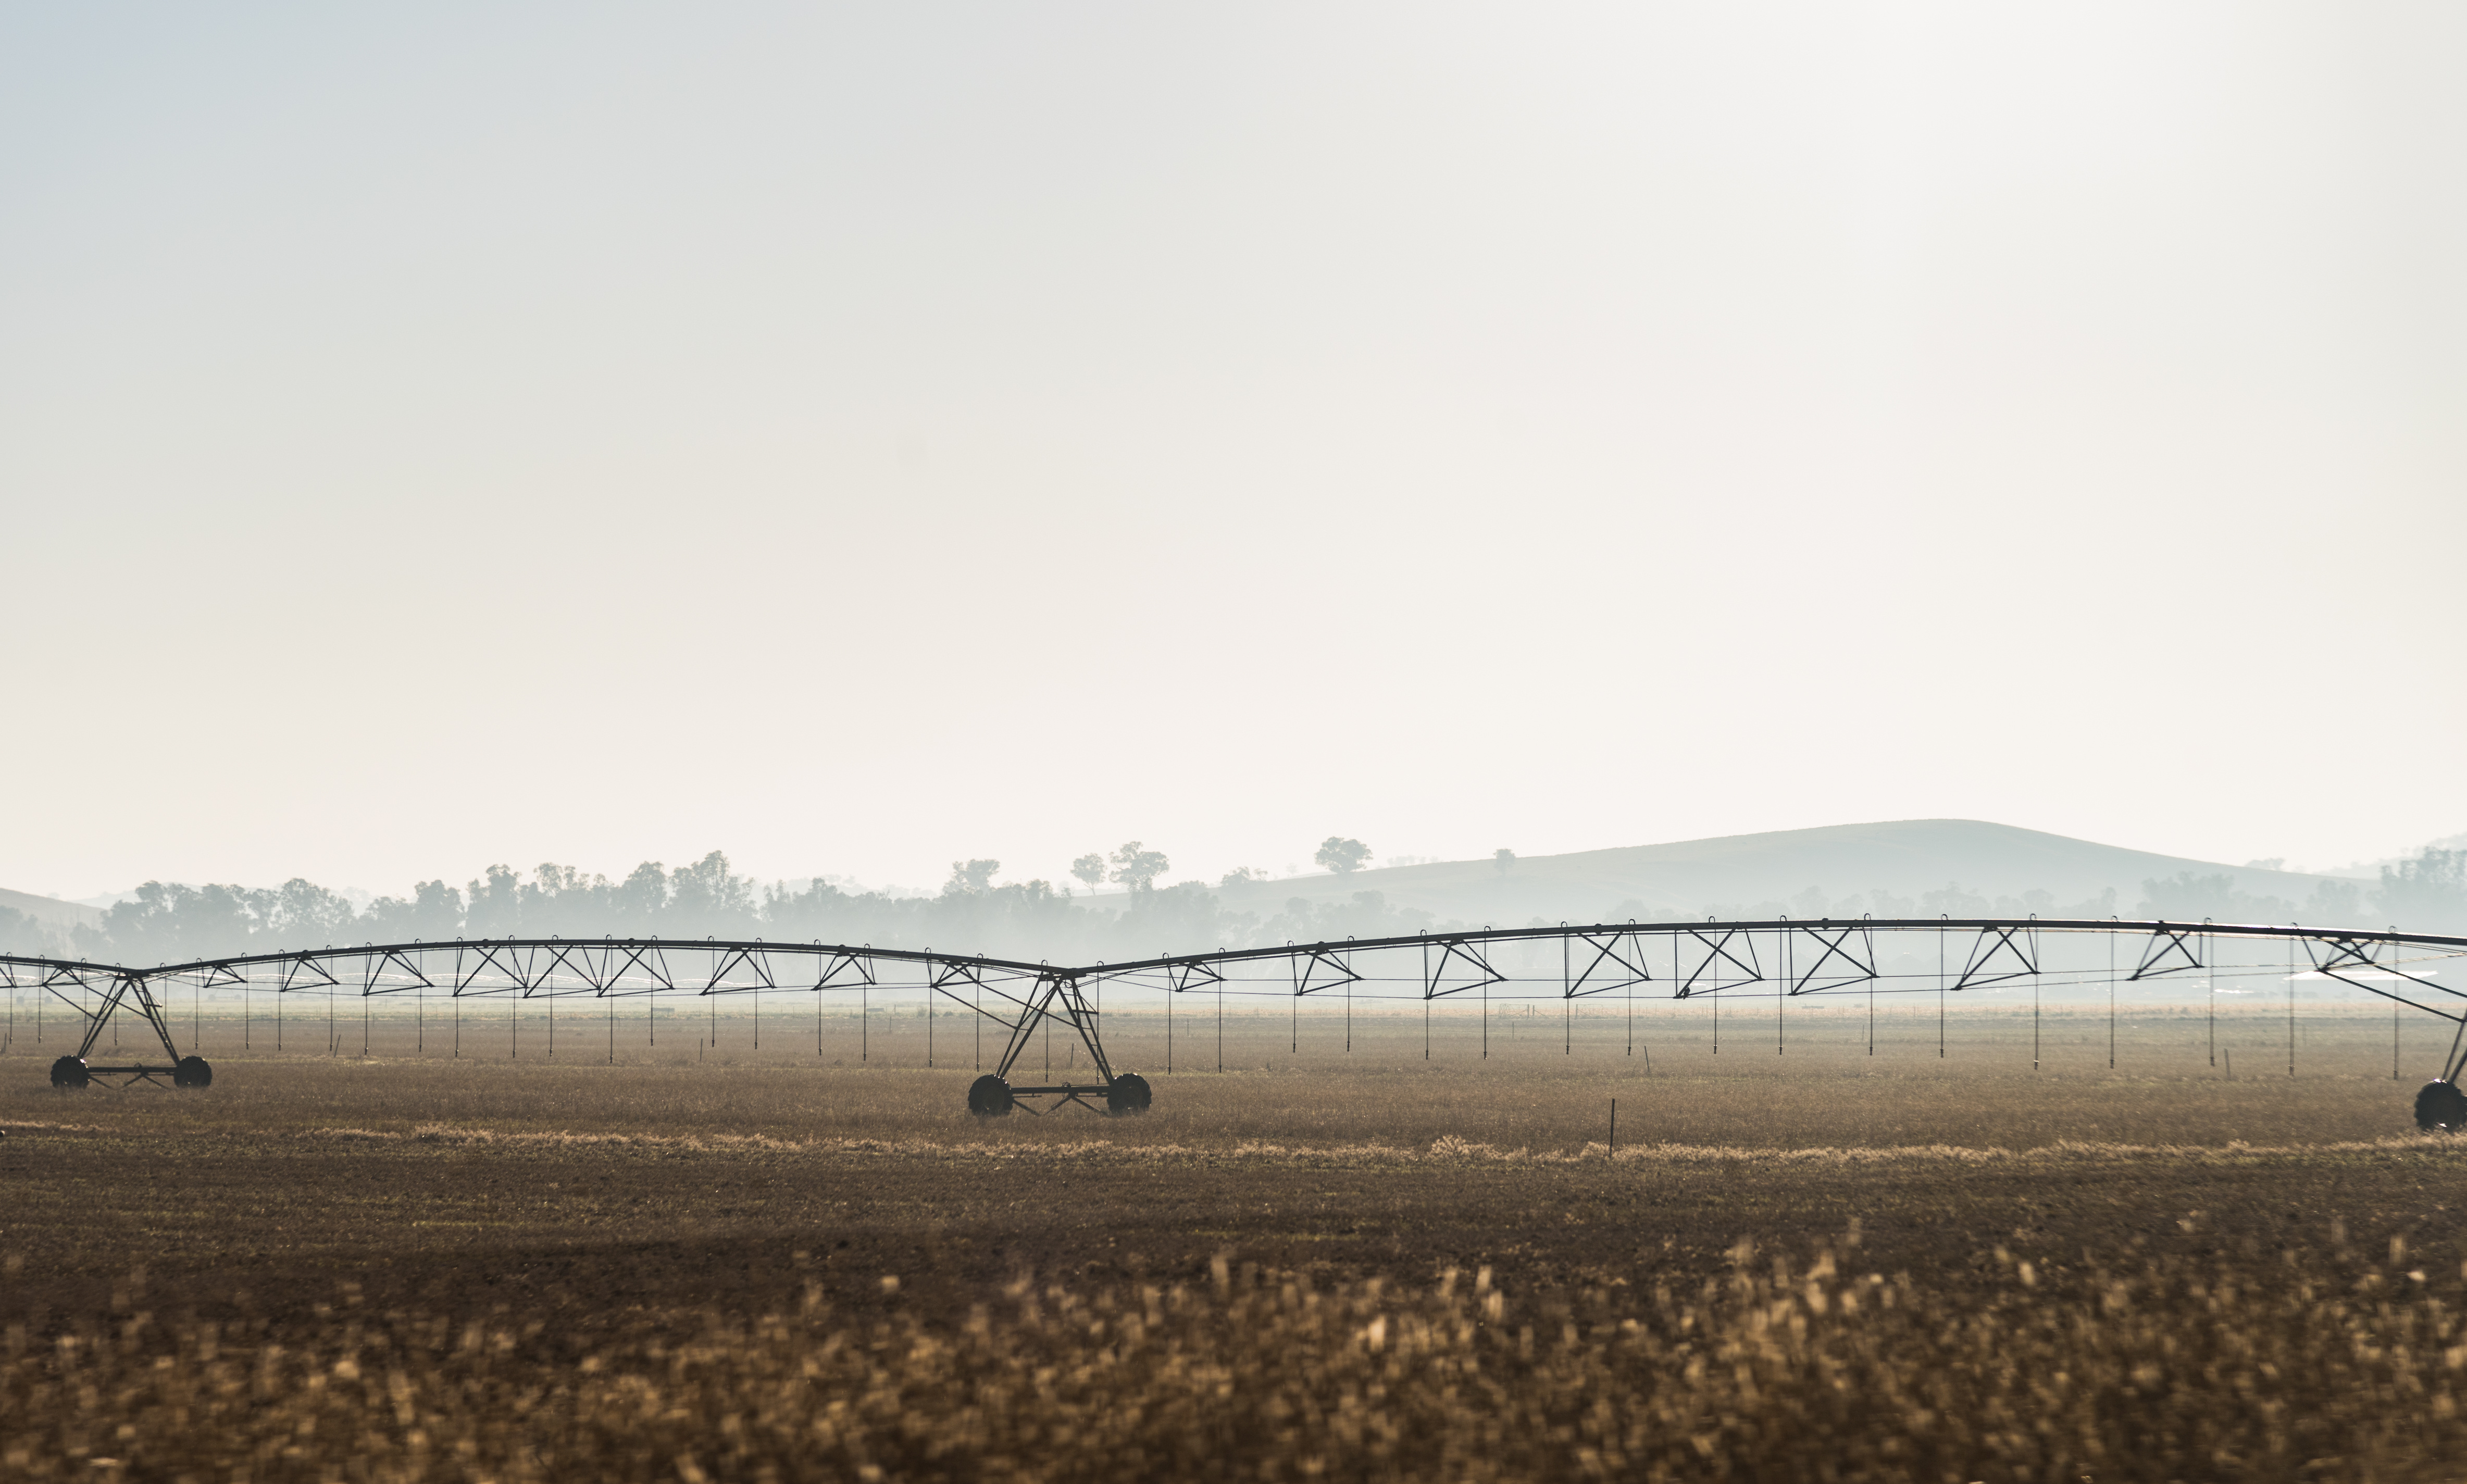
(706, 1261)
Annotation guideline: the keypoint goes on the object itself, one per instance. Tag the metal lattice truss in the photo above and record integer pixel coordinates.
(1676, 960)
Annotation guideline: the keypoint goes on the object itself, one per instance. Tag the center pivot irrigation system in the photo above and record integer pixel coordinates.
(1781, 960)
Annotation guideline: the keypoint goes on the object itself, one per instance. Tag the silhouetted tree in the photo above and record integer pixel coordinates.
(708, 899)
(1502, 860)
(494, 904)
(1367, 916)
(970, 876)
(2336, 904)
(1090, 869)
(166, 922)
(1955, 902)
(1028, 919)
(562, 899)
(1137, 868)
(2428, 893)
(2103, 905)
(1341, 855)
(2186, 897)
(433, 912)
(641, 898)
(308, 916)
(1176, 919)
(24, 932)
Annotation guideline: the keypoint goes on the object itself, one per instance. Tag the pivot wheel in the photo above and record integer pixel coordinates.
(1127, 1094)
(70, 1071)
(2440, 1108)
(192, 1071)
(989, 1096)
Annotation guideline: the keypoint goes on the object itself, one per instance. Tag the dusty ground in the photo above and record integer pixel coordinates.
(697, 1178)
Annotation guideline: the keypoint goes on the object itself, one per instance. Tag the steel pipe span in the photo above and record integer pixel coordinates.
(1780, 959)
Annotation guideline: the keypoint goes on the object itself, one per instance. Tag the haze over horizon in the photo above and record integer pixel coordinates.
(857, 441)
(1924, 853)
(1292, 871)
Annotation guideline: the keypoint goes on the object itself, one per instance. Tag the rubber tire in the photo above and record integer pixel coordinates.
(192, 1071)
(70, 1072)
(989, 1096)
(2440, 1108)
(1128, 1093)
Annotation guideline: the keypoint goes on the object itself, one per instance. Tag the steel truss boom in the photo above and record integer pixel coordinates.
(1782, 957)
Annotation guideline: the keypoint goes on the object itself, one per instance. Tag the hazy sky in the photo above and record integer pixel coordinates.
(859, 436)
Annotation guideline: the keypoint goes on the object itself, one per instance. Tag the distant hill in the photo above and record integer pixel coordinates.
(1735, 874)
(52, 909)
(48, 921)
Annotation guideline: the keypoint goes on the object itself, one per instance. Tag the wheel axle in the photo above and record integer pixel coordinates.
(189, 1072)
(989, 1096)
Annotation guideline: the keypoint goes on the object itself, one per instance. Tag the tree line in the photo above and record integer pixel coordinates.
(172, 922)
(167, 922)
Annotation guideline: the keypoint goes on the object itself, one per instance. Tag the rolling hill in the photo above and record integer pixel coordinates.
(1735, 875)
(51, 909)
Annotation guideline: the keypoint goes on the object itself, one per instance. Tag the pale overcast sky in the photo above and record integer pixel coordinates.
(858, 437)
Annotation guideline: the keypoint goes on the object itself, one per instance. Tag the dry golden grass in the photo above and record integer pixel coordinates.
(1816, 1266)
(2332, 1366)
